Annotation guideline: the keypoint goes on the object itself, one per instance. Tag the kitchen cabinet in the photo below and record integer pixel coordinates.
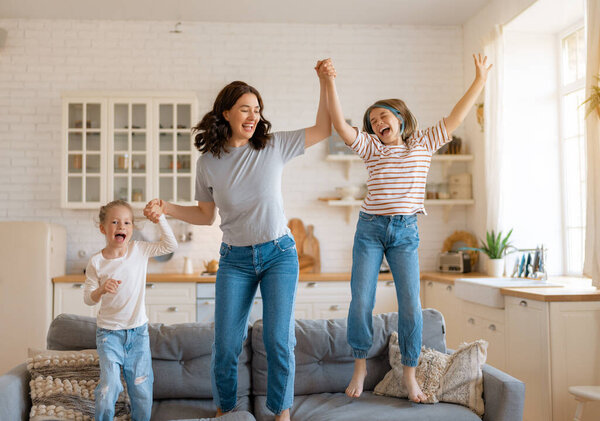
(322, 300)
(171, 302)
(440, 296)
(551, 346)
(528, 354)
(132, 147)
(68, 298)
(482, 322)
(166, 302)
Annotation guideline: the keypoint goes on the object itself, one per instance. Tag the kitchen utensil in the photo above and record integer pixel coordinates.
(310, 248)
(188, 267)
(211, 266)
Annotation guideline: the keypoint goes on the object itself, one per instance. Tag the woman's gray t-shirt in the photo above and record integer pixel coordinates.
(245, 185)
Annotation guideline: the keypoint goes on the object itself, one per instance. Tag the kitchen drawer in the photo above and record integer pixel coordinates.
(171, 314)
(170, 293)
(460, 191)
(325, 291)
(330, 311)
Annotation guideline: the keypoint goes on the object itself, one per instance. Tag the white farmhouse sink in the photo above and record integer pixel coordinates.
(486, 291)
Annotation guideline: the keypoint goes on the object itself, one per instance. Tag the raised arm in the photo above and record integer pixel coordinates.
(202, 214)
(346, 131)
(322, 128)
(462, 107)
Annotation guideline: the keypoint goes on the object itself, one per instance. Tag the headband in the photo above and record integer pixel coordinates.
(394, 111)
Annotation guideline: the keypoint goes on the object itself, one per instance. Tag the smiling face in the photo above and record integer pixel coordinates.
(117, 226)
(243, 117)
(386, 126)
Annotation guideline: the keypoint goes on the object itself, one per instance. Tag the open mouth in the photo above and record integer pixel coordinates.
(120, 237)
(248, 127)
(384, 131)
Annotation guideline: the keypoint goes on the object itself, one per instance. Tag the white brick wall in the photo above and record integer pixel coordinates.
(42, 58)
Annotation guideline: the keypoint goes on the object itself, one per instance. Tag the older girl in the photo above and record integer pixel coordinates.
(397, 156)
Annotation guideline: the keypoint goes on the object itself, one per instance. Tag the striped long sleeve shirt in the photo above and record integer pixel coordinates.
(397, 174)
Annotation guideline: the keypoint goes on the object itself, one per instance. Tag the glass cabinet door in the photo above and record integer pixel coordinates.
(129, 150)
(175, 152)
(84, 153)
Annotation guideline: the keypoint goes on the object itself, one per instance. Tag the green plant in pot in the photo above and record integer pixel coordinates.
(593, 101)
(495, 247)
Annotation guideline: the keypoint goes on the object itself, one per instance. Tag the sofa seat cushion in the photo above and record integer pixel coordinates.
(338, 406)
(193, 409)
(324, 362)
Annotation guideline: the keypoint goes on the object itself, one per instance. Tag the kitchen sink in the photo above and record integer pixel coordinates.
(486, 291)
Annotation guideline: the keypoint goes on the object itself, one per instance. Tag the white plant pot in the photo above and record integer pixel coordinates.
(495, 268)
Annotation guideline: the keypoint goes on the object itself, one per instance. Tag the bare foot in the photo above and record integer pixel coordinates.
(355, 388)
(283, 416)
(220, 413)
(415, 393)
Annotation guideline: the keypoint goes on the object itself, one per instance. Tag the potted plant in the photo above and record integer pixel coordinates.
(496, 247)
(593, 100)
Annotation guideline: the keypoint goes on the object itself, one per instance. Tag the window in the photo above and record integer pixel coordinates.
(572, 143)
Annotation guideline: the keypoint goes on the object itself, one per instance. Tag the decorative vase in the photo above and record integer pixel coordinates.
(495, 268)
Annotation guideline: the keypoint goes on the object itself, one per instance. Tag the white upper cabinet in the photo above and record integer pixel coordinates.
(133, 147)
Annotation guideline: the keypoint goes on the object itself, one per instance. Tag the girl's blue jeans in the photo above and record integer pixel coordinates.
(396, 236)
(272, 266)
(128, 349)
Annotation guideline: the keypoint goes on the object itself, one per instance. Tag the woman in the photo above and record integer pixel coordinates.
(239, 172)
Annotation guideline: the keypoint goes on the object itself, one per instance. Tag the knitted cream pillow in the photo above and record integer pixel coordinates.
(455, 378)
(62, 386)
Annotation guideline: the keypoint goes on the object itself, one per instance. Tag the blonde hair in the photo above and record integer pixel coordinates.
(410, 121)
(115, 203)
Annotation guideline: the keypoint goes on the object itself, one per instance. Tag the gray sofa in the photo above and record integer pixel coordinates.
(182, 387)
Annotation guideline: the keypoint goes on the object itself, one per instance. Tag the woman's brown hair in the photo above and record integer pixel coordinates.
(213, 131)
(410, 122)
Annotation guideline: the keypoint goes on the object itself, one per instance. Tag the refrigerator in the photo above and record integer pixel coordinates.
(31, 254)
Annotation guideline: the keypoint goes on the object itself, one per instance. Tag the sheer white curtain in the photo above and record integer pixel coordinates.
(494, 129)
(591, 266)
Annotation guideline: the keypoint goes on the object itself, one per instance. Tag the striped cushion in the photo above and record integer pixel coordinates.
(62, 386)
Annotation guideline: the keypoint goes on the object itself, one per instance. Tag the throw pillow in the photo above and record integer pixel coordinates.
(455, 378)
(62, 386)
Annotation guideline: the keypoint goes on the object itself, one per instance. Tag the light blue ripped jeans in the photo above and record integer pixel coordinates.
(396, 236)
(128, 349)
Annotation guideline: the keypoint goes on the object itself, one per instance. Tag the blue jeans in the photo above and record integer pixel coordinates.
(274, 267)
(128, 349)
(396, 236)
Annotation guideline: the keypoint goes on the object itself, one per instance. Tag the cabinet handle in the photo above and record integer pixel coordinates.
(207, 303)
(311, 285)
(492, 327)
(429, 284)
(173, 309)
(523, 303)
(78, 286)
(149, 286)
(334, 307)
(389, 283)
(255, 302)
(471, 320)
(449, 288)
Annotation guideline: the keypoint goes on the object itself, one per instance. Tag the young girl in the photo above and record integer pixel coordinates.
(117, 276)
(397, 156)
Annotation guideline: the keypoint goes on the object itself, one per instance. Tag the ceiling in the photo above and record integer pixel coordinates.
(549, 16)
(380, 12)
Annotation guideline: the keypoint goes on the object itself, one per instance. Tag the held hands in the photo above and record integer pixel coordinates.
(325, 69)
(154, 209)
(111, 286)
(481, 71)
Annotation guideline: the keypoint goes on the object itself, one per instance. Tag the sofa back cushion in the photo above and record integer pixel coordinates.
(180, 354)
(324, 360)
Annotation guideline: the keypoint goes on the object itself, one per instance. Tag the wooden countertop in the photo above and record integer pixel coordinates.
(541, 293)
(197, 278)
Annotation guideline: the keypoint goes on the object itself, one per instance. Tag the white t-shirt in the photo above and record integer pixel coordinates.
(125, 309)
